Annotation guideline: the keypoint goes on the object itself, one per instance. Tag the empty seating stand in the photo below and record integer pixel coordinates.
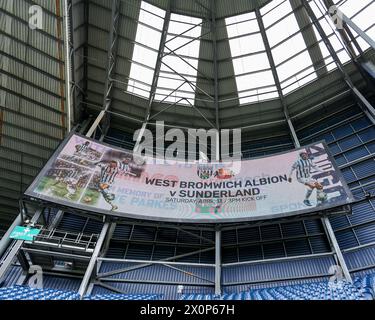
(361, 289)
(366, 285)
(311, 291)
(226, 296)
(27, 293)
(125, 297)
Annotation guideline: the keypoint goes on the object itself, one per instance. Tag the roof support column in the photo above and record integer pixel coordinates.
(276, 78)
(357, 29)
(214, 48)
(366, 106)
(93, 261)
(336, 248)
(158, 63)
(110, 232)
(326, 223)
(6, 263)
(309, 36)
(346, 35)
(5, 240)
(155, 78)
(110, 71)
(217, 261)
(70, 92)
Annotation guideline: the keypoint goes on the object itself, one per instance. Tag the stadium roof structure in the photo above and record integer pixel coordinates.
(239, 64)
(262, 66)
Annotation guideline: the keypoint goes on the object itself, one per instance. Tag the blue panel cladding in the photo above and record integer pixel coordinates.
(169, 292)
(272, 271)
(161, 273)
(11, 276)
(61, 283)
(360, 258)
(244, 287)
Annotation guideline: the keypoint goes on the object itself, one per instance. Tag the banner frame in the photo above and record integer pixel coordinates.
(32, 195)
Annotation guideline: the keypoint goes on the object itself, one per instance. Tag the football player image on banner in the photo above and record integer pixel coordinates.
(108, 172)
(304, 168)
(93, 176)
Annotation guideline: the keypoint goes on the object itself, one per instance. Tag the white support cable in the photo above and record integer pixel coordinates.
(68, 68)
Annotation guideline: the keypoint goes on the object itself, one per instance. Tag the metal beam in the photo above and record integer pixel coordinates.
(159, 282)
(149, 263)
(6, 263)
(70, 92)
(276, 78)
(357, 29)
(195, 235)
(110, 232)
(5, 240)
(215, 63)
(59, 215)
(366, 106)
(272, 260)
(110, 70)
(155, 78)
(336, 247)
(309, 36)
(346, 37)
(56, 254)
(163, 262)
(325, 220)
(93, 260)
(218, 262)
(191, 274)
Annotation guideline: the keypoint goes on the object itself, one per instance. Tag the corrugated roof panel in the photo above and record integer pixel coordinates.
(34, 162)
(32, 75)
(99, 17)
(201, 8)
(39, 112)
(98, 38)
(24, 147)
(21, 10)
(206, 50)
(41, 96)
(223, 50)
(33, 57)
(47, 5)
(27, 136)
(105, 3)
(12, 276)
(24, 121)
(43, 81)
(45, 44)
(15, 167)
(125, 49)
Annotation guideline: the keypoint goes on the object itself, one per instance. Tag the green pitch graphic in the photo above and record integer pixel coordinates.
(58, 189)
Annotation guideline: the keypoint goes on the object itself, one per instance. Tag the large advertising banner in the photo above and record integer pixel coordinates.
(93, 176)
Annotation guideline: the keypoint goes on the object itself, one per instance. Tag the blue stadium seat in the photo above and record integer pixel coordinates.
(312, 291)
(360, 289)
(26, 293)
(367, 285)
(199, 296)
(125, 297)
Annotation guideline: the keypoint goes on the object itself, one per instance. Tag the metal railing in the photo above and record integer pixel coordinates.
(66, 240)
